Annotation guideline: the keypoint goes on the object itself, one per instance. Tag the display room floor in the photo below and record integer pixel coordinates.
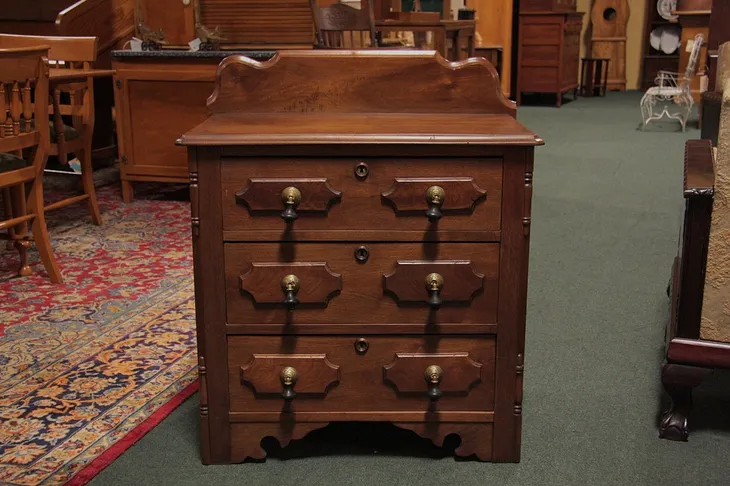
(606, 215)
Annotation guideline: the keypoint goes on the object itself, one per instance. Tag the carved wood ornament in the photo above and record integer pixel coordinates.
(263, 194)
(316, 282)
(410, 194)
(406, 283)
(405, 372)
(316, 375)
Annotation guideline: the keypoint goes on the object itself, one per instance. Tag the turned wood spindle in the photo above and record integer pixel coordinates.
(27, 107)
(15, 109)
(3, 111)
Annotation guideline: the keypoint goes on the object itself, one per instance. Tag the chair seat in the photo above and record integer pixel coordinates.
(664, 91)
(10, 162)
(70, 133)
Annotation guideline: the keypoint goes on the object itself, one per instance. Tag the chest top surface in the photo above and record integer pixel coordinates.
(363, 97)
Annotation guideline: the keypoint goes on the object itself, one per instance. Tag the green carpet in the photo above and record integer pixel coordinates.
(606, 213)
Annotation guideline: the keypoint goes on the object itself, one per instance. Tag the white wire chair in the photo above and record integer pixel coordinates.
(672, 89)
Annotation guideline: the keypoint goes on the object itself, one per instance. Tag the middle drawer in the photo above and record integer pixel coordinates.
(351, 284)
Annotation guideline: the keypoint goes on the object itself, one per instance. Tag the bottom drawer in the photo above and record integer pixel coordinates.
(370, 373)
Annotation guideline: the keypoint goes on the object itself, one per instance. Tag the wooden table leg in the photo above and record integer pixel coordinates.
(598, 77)
(589, 86)
(439, 42)
(456, 47)
(470, 44)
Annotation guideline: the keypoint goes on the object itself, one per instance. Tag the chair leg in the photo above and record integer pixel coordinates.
(40, 232)
(678, 381)
(8, 212)
(19, 208)
(646, 110)
(87, 178)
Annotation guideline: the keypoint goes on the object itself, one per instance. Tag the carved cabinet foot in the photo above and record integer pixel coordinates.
(678, 382)
(476, 438)
(246, 437)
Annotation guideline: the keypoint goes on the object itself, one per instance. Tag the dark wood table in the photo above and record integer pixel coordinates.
(443, 32)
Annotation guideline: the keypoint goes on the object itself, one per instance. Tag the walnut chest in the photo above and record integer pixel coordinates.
(361, 224)
(549, 53)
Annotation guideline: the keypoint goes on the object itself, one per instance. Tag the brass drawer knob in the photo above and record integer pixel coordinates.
(288, 378)
(434, 284)
(291, 197)
(435, 198)
(290, 286)
(434, 375)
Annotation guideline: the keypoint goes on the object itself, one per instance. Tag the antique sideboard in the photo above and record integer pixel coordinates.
(361, 225)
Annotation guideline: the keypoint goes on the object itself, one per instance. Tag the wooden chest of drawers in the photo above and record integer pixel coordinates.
(361, 224)
(549, 53)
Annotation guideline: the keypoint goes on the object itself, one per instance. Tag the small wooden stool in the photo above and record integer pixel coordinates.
(594, 76)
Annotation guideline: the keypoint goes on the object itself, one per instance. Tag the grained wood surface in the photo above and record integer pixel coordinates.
(366, 81)
(264, 194)
(316, 280)
(315, 373)
(362, 299)
(406, 372)
(277, 23)
(361, 205)
(408, 193)
(362, 384)
(406, 281)
(351, 128)
(210, 308)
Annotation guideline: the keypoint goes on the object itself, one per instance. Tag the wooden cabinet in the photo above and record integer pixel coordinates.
(360, 237)
(549, 53)
(158, 96)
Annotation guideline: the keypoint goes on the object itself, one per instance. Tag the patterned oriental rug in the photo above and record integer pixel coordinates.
(89, 366)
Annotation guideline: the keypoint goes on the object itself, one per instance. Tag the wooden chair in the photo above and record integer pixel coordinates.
(672, 89)
(341, 26)
(24, 140)
(72, 101)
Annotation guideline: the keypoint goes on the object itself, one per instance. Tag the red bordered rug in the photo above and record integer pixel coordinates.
(89, 366)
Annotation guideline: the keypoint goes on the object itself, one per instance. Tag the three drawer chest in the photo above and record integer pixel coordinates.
(361, 224)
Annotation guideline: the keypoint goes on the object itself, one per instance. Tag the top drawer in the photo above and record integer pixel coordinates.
(369, 198)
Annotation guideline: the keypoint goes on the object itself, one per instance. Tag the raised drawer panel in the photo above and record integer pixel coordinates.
(364, 373)
(344, 195)
(354, 284)
(541, 34)
(539, 79)
(540, 55)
